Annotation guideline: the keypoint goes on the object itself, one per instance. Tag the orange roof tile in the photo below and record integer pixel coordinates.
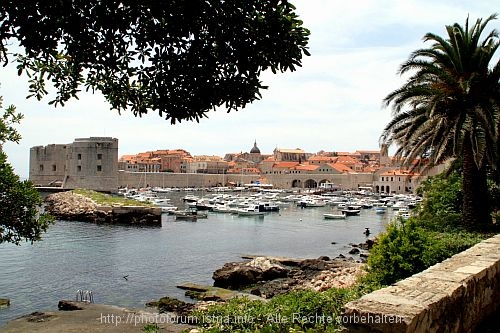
(306, 167)
(340, 167)
(285, 164)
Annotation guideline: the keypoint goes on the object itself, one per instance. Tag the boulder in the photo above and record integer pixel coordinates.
(169, 304)
(64, 305)
(236, 275)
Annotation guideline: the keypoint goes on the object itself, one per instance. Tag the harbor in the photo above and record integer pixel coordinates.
(155, 260)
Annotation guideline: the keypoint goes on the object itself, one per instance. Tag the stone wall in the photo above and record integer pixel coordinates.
(164, 179)
(452, 296)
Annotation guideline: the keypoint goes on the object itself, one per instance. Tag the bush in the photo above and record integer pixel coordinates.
(398, 252)
(406, 248)
(296, 311)
(441, 209)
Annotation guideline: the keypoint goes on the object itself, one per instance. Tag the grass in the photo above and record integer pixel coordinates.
(110, 200)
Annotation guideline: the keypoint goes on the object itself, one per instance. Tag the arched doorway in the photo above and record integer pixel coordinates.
(310, 183)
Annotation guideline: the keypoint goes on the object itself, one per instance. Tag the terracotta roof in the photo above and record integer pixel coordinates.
(306, 167)
(347, 160)
(340, 167)
(322, 158)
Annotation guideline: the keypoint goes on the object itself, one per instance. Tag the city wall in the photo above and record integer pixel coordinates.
(287, 181)
(452, 296)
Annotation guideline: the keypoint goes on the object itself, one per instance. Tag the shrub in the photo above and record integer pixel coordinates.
(406, 249)
(398, 252)
(441, 208)
(296, 311)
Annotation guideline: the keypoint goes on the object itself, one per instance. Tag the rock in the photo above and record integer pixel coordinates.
(68, 306)
(368, 244)
(354, 250)
(4, 302)
(169, 304)
(236, 275)
(313, 264)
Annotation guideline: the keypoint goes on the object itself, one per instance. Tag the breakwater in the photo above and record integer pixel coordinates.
(73, 206)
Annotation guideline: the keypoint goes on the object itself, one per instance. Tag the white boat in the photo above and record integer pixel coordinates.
(310, 202)
(250, 211)
(334, 216)
(400, 205)
(222, 208)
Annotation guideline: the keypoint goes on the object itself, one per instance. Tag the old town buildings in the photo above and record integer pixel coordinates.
(94, 163)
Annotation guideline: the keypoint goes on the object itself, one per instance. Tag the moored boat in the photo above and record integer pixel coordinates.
(351, 212)
(334, 216)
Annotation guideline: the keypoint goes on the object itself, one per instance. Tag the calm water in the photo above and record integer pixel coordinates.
(76, 255)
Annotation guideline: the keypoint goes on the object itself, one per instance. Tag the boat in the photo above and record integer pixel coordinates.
(310, 202)
(222, 208)
(380, 210)
(251, 210)
(334, 216)
(269, 207)
(351, 212)
(189, 214)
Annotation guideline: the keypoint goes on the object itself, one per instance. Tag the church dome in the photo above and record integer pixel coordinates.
(255, 149)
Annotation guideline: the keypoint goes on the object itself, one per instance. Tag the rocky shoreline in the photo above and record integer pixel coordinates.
(76, 207)
(262, 278)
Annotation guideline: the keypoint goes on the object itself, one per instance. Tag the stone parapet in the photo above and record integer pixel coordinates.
(455, 295)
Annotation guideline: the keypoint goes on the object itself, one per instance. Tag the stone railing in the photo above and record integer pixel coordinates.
(453, 296)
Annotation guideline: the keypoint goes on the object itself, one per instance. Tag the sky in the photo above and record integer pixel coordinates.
(332, 103)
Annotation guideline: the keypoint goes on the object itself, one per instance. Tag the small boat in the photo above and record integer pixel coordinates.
(269, 207)
(351, 212)
(189, 214)
(222, 208)
(251, 210)
(334, 216)
(380, 210)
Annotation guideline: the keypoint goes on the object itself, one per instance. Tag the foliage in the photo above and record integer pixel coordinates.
(151, 328)
(20, 215)
(449, 107)
(398, 252)
(296, 311)
(447, 244)
(7, 121)
(407, 248)
(441, 208)
(109, 200)
(178, 58)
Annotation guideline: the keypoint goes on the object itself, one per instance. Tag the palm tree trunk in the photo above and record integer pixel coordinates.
(476, 208)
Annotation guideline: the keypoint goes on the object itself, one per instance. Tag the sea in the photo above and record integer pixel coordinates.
(129, 266)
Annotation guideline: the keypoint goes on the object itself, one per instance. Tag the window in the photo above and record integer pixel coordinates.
(79, 156)
(54, 167)
(382, 178)
(99, 168)
(41, 167)
(78, 168)
(99, 156)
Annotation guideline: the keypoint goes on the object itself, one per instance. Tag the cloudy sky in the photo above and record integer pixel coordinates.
(332, 103)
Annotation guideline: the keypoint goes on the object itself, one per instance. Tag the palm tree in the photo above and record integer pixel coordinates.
(449, 108)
